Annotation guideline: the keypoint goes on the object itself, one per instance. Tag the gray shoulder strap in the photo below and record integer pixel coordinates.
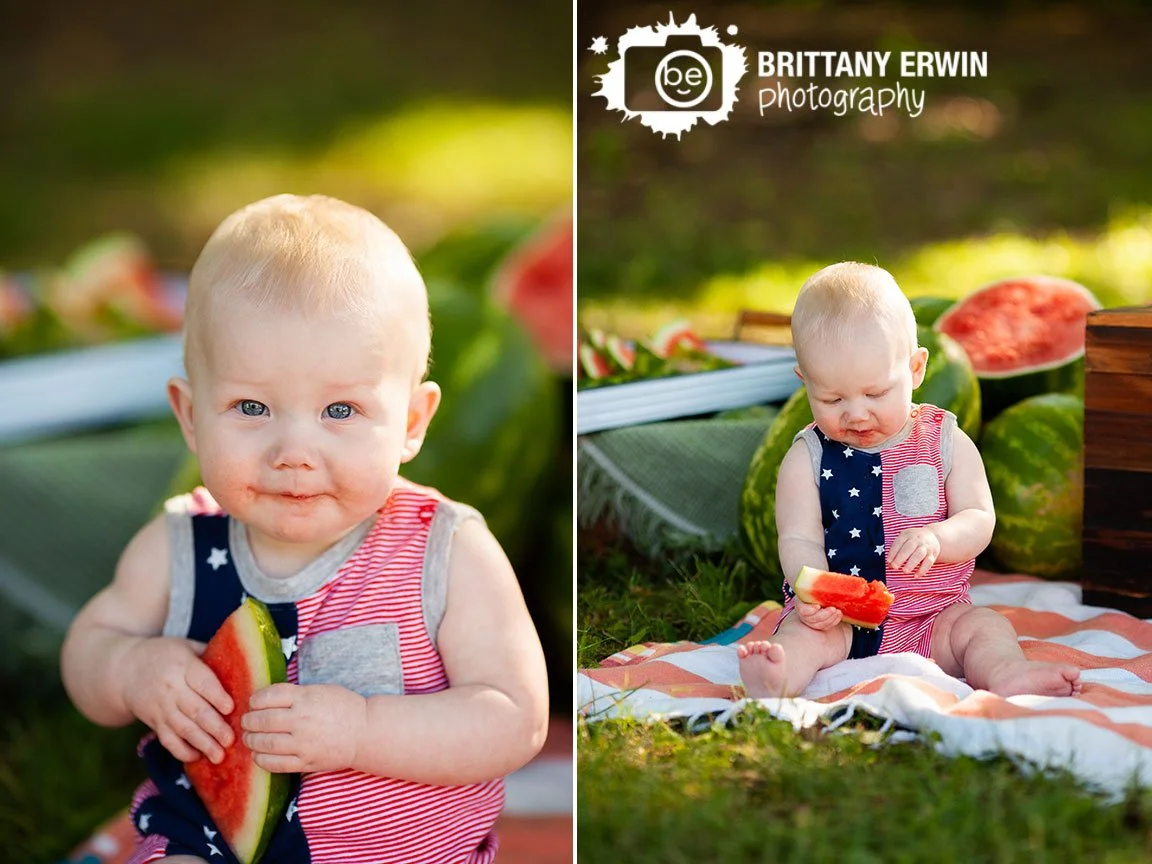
(434, 583)
(182, 569)
(815, 449)
(947, 428)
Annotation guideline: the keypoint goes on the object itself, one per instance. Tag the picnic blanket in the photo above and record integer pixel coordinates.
(1103, 737)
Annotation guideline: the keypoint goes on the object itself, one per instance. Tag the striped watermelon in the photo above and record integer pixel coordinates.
(950, 382)
(1024, 336)
(245, 801)
(1034, 456)
(929, 309)
(758, 495)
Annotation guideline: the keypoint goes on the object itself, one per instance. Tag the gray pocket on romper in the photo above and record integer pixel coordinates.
(364, 659)
(916, 490)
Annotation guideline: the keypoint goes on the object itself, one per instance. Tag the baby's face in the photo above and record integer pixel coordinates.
(300, 426)
(861, 394)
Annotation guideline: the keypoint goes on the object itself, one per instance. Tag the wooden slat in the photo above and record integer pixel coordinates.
(1122, 441)
(1118, 500)
(1138, 317)
(1139, 605)
(1118, 561)
(1118, 393)
(1118, 350)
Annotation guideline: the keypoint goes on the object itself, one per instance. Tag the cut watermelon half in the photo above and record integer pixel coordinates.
(534, 283)
(245, 801)
(1024, 336)
(863, 603)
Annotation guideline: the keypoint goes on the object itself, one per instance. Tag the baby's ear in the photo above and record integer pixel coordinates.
(919, 366)
(180, 398)
(421, 409)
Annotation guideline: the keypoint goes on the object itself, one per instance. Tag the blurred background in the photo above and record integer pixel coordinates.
(126, 135)
(1040, 167)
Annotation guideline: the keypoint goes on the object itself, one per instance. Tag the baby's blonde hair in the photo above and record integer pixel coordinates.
(842, 300)
(314, 255)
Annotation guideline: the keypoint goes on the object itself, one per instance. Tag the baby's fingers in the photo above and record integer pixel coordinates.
(204, 682)
(186, 740)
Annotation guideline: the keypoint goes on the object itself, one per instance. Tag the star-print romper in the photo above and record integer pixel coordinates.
(867, 498)
(363, 615)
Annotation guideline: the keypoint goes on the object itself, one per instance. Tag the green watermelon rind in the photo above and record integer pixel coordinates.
(807, 588)
(950, 381)
(279, 785)
(927, 310)
(757, 509)
(1033, 457)
(999, 390)
(267, 800)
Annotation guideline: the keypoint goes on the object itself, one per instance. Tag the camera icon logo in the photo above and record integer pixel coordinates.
(672, 75)
(684, 73)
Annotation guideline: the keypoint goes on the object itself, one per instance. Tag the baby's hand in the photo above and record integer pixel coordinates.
(170, 689)
(914, 551)
(818, 617)
(293, 728)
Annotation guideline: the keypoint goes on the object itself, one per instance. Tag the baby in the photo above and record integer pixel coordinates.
(417, 678)
(881, 488)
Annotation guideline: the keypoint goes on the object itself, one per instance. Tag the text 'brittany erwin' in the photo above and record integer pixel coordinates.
(872, 64)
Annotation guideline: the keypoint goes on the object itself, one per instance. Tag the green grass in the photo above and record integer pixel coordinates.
(60, 776)
(757, 791)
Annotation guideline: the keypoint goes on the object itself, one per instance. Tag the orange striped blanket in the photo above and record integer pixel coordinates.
(1104, 736)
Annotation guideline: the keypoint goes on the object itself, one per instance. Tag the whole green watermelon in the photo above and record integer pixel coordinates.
(491, 442)
(950, 381)
(758, 495)
(1034, 457)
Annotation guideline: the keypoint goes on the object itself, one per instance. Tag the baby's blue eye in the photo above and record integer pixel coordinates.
(338, 411)
(252, 408)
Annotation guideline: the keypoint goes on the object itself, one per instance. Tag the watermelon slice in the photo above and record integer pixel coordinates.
(245, 801)
(863, 603)
(620, 354)
(1024, 336)
(593, 364)
(674, 336)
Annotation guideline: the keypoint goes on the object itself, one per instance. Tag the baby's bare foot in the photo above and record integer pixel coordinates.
(1039, 679)
(761, 668)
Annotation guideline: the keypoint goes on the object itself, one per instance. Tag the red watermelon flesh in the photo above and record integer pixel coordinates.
(1020, 324)
(534, 283)
(863, 603)
(243, 799)
(674, 336)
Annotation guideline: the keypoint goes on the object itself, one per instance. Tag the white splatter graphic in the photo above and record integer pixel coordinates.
(683, 75)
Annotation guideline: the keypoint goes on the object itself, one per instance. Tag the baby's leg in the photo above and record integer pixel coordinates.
(981, 645)
(786, 665)
(181, 859)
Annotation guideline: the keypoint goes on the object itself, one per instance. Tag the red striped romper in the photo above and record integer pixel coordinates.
(350, 817)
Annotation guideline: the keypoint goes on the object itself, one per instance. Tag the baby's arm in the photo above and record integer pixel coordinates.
(116, 667)
(491, 720)
(800, 528)
(967, 530)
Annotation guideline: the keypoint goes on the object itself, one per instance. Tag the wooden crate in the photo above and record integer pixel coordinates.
(1118, 460)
